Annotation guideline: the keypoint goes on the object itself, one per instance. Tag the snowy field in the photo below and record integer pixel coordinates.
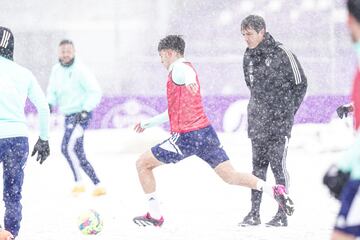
(196, 204)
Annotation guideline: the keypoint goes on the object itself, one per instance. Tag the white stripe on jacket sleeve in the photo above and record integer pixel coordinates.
(294, 65)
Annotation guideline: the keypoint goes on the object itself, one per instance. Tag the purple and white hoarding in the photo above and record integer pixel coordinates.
(227, 113)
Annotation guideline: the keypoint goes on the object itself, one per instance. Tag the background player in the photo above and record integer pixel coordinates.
(344, 179)
(16, 85)
(75, 90)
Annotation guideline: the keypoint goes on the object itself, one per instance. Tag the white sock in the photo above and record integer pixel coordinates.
(154, 205)
(264, 187)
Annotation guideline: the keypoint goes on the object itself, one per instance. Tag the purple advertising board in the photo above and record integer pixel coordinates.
(227, 113)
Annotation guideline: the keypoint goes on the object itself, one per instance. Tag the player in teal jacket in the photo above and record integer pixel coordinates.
(16, 85)
(74, 89)
(343, 179)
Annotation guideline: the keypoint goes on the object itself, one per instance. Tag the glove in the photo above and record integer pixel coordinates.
(51, 108)
(344, 110)
(81, 116)
(335, 179)
(42, 148)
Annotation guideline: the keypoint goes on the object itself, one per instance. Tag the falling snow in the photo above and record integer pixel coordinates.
(196, 203)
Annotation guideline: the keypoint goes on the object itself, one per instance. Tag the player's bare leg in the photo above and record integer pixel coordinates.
(227, 172)
(145, 165)
(337, 235)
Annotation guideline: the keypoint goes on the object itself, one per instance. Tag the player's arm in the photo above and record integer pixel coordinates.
(51, 91)
(37, 97)
(295, 75)
(246, 73)
(190, 80)
(151, 122)
(183, 74)
(347, 167)
(351, 158)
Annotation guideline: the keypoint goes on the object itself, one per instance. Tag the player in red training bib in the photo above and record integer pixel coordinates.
(343, 177)
(191, 134)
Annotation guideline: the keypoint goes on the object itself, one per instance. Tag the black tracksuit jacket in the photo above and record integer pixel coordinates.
(277, 86)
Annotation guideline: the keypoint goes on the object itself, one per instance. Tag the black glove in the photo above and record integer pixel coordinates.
(81, 116)
(335, 179)
(343, 110)
(43, 150)
(51, 108)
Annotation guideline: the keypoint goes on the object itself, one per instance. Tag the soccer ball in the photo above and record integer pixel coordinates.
(90, 222)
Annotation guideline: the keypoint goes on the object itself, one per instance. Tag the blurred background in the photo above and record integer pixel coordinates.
(118, 40)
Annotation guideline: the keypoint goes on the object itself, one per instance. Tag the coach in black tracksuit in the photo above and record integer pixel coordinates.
(277, 86)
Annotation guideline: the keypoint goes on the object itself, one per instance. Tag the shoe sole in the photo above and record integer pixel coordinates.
(141, 223)
(145, 223)
(269, 225)
(248, 225)
(98, 194)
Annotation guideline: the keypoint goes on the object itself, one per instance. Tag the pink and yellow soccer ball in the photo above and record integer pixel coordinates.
(90, 222)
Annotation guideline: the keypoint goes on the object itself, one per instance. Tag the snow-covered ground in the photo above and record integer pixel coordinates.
(196, 203)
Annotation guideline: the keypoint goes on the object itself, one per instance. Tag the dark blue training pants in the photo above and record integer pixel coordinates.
(73, 147)
(13, 155)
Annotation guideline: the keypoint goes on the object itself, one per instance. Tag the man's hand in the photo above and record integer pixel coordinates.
(81, 116)
(193, 88)
(43, 149)
(138, 128)
(335, 180)
(344, 110)
(51, 108)
(5, 235)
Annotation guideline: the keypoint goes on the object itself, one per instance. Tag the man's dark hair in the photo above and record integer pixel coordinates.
(253, 22)
(71, 62)
(354, 8)
(66, 41)
(173, 42)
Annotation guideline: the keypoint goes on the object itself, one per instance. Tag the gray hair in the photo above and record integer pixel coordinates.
(253, 22)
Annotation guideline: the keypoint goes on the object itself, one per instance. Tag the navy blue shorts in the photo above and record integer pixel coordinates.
(203, 143)
(348, 219)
